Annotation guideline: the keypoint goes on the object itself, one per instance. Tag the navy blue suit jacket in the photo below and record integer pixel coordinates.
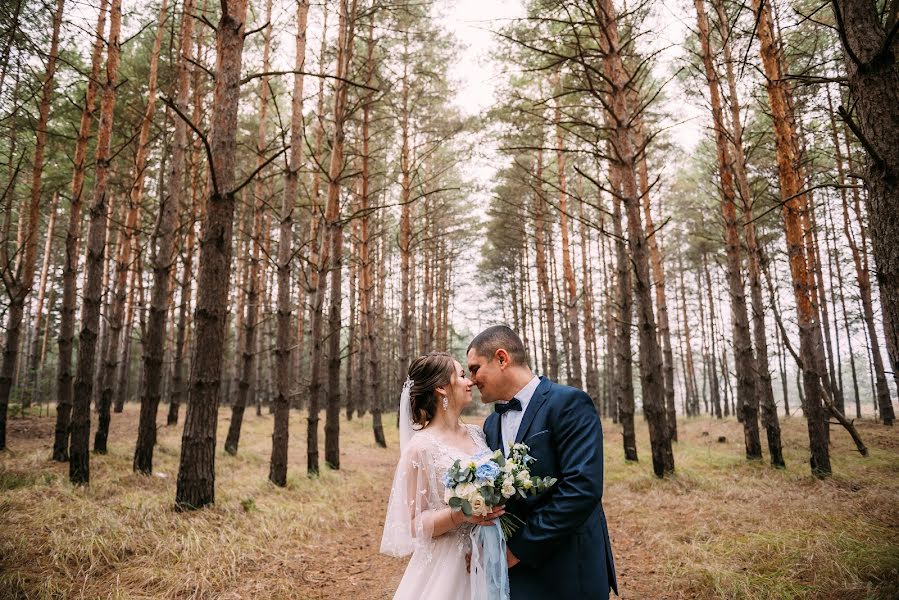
(564, 546)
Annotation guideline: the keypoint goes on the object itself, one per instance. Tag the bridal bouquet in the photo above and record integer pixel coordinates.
(478, 485)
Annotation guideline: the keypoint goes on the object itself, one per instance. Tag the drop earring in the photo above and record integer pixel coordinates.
(445, 403)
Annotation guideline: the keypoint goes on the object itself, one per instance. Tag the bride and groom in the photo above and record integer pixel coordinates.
(562, 549)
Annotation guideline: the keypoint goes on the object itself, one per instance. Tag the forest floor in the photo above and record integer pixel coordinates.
(721, 528)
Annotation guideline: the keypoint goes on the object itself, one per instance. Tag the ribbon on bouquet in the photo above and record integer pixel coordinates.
(489, 575)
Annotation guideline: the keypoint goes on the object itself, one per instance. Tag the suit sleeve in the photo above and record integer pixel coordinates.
(578, 438)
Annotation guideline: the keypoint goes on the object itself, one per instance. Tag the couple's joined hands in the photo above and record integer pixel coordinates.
(486, 520)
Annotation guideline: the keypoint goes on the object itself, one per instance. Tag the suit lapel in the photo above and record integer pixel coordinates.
(533, 408)
(492, 431)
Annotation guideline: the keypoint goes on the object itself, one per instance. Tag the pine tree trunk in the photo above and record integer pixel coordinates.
(791, 183)
(34, 362)
(405, 235)
(124, 373)
(764, 388)
(871, 51)
(658, 277)
(345, 39)
(196, 212)
(715, 385)
(352, 399)
(551, 354)
(573, 327)
(79, 459)
(367, 284)
(619, 118)
(73, 237)
(623, 386)
(690, 374)
(24, 278)
(196, 472)
(248, 351)
(164, 244)
(744, 360)
(592, 373)
(841, 181)
(278, 466)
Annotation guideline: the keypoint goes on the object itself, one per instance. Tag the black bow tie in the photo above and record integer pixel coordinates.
(513, 404)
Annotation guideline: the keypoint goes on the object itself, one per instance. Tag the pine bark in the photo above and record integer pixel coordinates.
(196, 472)
(744, 360)
(871, 56)
(34, 353)
(548, 339)
(164, 243)
(624, 162)
(623, 385)
(658, 280)
(345, 40)
(791, 184)
(73, 236)
(247, 379)
(19, 285)
(571, 295)
(79, 459)
(123, 261)
(278, 466)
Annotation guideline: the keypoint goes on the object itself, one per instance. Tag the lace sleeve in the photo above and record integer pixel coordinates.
(413, 500)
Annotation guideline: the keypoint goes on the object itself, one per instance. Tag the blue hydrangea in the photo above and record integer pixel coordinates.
(448, 480)
(488, 470)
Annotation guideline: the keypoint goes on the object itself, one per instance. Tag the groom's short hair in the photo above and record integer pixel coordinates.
(493, 338)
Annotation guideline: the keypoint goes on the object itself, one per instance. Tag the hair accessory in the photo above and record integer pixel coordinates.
(408, 383)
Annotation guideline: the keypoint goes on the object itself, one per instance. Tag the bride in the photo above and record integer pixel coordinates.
(419, 521)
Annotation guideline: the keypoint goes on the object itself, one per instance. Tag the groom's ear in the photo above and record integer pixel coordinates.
(502, 356)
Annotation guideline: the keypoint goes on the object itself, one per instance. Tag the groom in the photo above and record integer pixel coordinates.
(562, 551)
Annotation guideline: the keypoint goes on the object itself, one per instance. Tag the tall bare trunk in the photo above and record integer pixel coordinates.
(196, 472)
(278, 466)
(791, 183)
(573, 327)
(164, 243)
(247, 379)
(551, 354)
(73, 237)
(333, 256)
(871, 49)
(619, 118)
(658, 281)
(623, 386)
(34, 355)
(744, 360)
(79, 459)
(841, 180)
(20, 284)
(592, 373)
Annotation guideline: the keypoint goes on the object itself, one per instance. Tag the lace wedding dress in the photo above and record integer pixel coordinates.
(437, 568)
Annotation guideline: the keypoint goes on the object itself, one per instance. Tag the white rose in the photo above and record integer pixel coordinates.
(507, 468)
(527, 484)
(524, 475)
(447, 494)
(478, 506)
(508, 489)
(464, 490)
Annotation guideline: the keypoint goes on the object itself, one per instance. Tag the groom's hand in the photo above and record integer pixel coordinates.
(510, 558)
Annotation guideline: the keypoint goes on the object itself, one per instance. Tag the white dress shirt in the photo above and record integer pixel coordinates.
(511, 419)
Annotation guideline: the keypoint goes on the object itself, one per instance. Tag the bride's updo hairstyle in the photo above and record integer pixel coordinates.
(428, 372)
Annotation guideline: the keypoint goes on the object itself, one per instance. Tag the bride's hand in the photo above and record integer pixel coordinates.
(486, 520)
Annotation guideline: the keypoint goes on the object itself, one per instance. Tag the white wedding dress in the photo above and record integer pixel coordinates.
(437, 569)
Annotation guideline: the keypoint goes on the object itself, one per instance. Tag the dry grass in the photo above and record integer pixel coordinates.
(721, 528)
